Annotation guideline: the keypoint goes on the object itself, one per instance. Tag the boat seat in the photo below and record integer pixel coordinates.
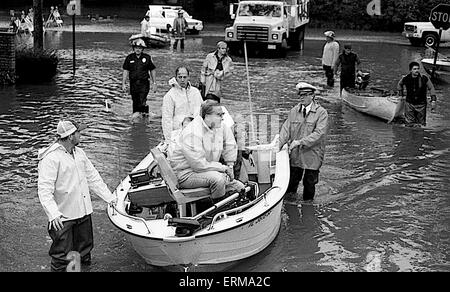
(181, 196)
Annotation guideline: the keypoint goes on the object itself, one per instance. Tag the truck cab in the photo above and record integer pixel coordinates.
(270, 25)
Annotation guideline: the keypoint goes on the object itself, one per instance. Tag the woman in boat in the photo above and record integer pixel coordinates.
(305, 131)
(217, 66)
(145, 26)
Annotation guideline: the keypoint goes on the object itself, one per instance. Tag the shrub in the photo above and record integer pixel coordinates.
(35, 66)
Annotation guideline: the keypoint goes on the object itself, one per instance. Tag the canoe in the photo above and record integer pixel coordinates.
(374, 102)
(155, 40)
(239, 226)
(442, 67)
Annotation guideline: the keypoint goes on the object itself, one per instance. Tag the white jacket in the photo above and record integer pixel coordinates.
(64, 182)
(179, 103)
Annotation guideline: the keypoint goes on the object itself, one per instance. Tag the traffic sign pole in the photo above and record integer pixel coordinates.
(436, 53)
(73, 42)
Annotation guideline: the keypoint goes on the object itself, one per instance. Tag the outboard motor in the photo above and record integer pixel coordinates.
(362, 80)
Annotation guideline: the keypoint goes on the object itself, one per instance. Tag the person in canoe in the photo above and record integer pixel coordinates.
(417, 86)
(305, 131)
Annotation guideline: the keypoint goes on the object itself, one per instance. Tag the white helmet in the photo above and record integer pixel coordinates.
(139, 43)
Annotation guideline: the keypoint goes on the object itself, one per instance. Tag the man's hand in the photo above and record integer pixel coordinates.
(229, 171)
(124, 87)
(57, 223)
(155, 86)
(294, 144)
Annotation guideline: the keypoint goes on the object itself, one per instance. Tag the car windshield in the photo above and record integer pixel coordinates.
(260, 10)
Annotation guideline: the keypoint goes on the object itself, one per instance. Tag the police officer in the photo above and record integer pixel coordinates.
(139, 68)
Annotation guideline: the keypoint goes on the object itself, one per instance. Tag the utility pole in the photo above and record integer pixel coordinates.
(38, 26)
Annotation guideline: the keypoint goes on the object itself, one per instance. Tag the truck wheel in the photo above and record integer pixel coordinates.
(296, 39)
(282, 49)
(430, 39)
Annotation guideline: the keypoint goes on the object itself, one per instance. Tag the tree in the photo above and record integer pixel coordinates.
(38, 26)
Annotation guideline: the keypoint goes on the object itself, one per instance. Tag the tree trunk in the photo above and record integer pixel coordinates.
(38, 25)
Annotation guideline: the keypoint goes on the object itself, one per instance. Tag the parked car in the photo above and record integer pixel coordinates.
(162, 17)
(424, 33)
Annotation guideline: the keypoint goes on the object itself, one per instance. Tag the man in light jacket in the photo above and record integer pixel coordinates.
(305, 131)
(199, 148)
(216, 67)
(65, 177)
(181, 101)
(329, 56)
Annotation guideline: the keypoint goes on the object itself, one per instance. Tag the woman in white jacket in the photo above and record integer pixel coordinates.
(181, 101)
(216, 67)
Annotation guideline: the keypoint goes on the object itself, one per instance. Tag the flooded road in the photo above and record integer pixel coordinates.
(383, 202)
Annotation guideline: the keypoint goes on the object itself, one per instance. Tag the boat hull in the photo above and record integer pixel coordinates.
(204, 252)
(442, 68)
(384, 107)
(230, 236)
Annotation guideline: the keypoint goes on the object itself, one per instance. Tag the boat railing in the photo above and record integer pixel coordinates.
(129, 216)
(224, 214)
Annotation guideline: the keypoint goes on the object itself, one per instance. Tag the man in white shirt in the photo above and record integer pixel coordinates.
(305, 131)
(65, 177)
(145, 26)
(181, 101)
(198, 150)
(330, 56)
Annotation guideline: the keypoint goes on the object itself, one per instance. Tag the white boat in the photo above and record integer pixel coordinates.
(154, 40)
(374, 102)
(239, 226)
(442, 67)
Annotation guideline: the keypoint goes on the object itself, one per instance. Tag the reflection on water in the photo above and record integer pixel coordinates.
(382, 202)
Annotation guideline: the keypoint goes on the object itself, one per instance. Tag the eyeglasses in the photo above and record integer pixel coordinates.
(305, 93)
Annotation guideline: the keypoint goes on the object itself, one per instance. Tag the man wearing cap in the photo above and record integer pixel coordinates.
(305, 131)
(329, 56)
(180, 26)
(65, 177)
(139, 69)
(349, 62)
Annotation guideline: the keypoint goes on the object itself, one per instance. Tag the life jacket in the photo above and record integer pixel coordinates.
(416, 93)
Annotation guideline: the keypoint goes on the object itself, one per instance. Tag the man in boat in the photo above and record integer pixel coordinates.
(65, 177)
(349, 63)
(217, 66)
(416, 86)
(145, 26)
(139, 69)
(179, 28)
(199, 148)
(182, 100)
(305, 131)
(329, 56)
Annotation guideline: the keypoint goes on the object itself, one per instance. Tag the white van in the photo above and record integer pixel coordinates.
(162, 17)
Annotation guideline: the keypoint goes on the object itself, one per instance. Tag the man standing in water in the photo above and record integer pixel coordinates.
(180, 26)
(139, 68)
(416, 86)
(329, 56)
(65, 177)
(305, 131)
(349, 62)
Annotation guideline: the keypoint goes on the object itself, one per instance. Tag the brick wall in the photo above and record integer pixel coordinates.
(7, 57)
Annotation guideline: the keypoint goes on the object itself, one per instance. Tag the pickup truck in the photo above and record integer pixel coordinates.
(424, 33)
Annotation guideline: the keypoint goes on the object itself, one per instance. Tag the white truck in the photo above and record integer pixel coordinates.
(270, 25)
(424, 33)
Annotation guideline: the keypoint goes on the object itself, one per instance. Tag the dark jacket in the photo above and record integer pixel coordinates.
(416, 88)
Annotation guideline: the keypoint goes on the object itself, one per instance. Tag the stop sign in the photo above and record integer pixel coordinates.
(440, 16)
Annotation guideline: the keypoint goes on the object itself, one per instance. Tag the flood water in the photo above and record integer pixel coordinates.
(383, 200)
